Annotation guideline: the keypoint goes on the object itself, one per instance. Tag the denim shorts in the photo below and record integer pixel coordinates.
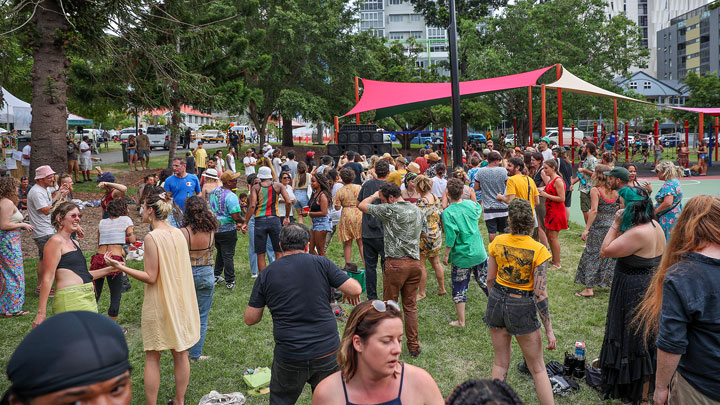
(267, 227)
(321, 224)
(301, 199)
(517, 315)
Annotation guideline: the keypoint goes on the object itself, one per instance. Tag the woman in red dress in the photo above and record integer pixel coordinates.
(555, 214)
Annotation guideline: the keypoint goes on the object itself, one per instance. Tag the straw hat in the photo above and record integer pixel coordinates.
(433, 157)
(413, 168)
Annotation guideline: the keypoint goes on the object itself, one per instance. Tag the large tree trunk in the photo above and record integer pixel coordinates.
(176, 118)
(287, 137)
(49, 89)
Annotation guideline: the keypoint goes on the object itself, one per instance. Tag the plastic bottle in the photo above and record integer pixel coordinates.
(580, 350)
(582, 178)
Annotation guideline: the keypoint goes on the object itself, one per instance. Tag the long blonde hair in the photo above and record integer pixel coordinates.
(599, 178)
(423, 184)
(668, 170)
(697, 227)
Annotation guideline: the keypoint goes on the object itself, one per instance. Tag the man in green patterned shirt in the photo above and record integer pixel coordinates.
(403, 223)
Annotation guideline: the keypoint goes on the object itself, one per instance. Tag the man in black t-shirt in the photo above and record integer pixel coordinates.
(296, 289)
(372, 230)
(354, 164)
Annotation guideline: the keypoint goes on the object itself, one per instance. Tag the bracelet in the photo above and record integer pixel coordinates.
(613, 227)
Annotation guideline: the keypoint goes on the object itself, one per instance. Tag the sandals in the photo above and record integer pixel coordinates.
(440, 294)
(577, 294)
(15, 314)
(555, 267)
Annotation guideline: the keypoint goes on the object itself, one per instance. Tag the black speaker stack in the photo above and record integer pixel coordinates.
(362, 139)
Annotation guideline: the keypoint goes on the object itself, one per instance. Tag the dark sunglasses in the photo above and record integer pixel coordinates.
(381, 306)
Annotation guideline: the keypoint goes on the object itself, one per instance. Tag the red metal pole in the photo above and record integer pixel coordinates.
(445, 144)
(530, 117)
(627, 146)
(702, 128)
(657, 132)
(717, 124)
(337, 128)
(595, 133)
(617, 136)
(687, 133)
(572, 146)
(542, 111)
(357, 99)
(558, 73)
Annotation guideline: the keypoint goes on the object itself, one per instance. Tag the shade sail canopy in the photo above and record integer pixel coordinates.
(706, 111)
(570, 82)
(389, 98)
(78, 120)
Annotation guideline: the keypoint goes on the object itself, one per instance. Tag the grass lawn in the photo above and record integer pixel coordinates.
(451, 355)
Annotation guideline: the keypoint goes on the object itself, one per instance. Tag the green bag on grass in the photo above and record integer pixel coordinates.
(260, 378)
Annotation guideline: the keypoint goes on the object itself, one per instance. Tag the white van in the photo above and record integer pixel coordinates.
(552, 133)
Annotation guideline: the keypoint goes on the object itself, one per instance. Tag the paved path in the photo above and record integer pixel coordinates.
(116, 156)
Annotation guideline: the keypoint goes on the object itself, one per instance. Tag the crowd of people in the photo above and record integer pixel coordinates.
(402, 212)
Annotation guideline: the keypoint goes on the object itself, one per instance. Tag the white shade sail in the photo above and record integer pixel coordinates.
(572, 83)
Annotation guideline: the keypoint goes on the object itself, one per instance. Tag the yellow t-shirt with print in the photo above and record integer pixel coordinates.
(516, 257)
(201, 158)
(523, 187)
(397, 176)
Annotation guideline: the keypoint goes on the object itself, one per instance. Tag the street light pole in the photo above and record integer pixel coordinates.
(455, 86)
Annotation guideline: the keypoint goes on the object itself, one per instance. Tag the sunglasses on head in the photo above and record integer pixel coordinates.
(381, 306)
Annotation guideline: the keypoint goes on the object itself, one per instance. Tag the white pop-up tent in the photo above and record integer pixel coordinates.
(15, 111)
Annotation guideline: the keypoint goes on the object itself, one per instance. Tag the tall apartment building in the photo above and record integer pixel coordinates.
(396, 20)
(652, 16)
(690, 43)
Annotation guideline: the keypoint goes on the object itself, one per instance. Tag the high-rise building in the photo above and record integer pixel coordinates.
(690, 43)
(651, 16)
(396, 20)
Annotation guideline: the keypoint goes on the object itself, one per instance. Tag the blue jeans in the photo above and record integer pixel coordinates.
(270, 253)
(204, 287)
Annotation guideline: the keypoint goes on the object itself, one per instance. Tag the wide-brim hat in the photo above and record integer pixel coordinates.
(43, 171)
(227, 176)
(211, 174)
(433, 157)
(264, 173)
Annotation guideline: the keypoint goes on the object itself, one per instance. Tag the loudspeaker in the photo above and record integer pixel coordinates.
(342, 137)
(366, 149)
(334, 149)
(382, 148)
(353, 137)
(366, 137)
(377, 137)
(352, 147)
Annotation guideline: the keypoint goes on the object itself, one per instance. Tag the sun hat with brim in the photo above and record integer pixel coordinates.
(107, 177)
(227, 176)
(264, 173)
(211, 174)
(433, 157)
(620, 173)
(43, 171)
(413, 168)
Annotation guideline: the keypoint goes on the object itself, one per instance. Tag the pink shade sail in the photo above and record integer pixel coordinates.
(389, 98)
(707, 111)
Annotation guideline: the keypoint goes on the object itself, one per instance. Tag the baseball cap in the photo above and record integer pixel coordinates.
(264, 173)
(620, 173)
(545, 139)
(310, 154)
(107, 177)
(227, 176)
(43, 171)
(210, 173)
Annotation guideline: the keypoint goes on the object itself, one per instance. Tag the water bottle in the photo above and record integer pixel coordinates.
(582, 178)
(580, 350)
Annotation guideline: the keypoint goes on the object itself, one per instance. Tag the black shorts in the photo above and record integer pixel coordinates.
(497, 225)
(517, 315)
(267, 227)
(568, 198)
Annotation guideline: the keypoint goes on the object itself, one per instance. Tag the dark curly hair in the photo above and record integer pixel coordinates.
(520, 216)
(117, 207)
(347, 175)
(198, 216)
(9, 188)
(481, 392)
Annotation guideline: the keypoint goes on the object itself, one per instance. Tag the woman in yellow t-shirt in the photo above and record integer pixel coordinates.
(517, 271)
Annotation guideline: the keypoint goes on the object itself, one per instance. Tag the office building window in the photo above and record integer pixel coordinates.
(647, 85)
(371, 20)
(397, 36)
(420, 63)
(416, 34)
(396, 2)
(437, 33)
(396, 17)
(633, 85)
(416, 17)
(369, 5)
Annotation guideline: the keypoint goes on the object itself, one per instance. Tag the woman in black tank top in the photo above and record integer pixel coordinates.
(66, 267)
(371, 347)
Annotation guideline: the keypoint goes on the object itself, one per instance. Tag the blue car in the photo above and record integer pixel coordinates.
(421, 139)
(477, 138)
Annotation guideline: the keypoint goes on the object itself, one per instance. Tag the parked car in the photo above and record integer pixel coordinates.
(477, 138)
(669, 140)
(159, 137)
(210, 135)
(552, 133)
(125, 133)
(509, 140)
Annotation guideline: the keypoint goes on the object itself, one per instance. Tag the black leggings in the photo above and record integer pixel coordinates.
(115, 284)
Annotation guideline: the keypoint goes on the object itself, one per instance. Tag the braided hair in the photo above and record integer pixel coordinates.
(481, 392)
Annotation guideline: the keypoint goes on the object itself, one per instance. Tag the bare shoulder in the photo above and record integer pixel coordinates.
(420, 383)
(329, 391)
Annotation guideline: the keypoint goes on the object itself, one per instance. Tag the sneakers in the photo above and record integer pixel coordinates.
(230, 286)
(219, 279)
(254, 275)
(523, 368)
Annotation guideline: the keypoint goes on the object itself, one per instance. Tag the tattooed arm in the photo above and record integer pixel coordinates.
(541, 302)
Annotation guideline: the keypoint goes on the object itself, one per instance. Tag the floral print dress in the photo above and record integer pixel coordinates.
(430, 245)
(350, 226)
(669, 216)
